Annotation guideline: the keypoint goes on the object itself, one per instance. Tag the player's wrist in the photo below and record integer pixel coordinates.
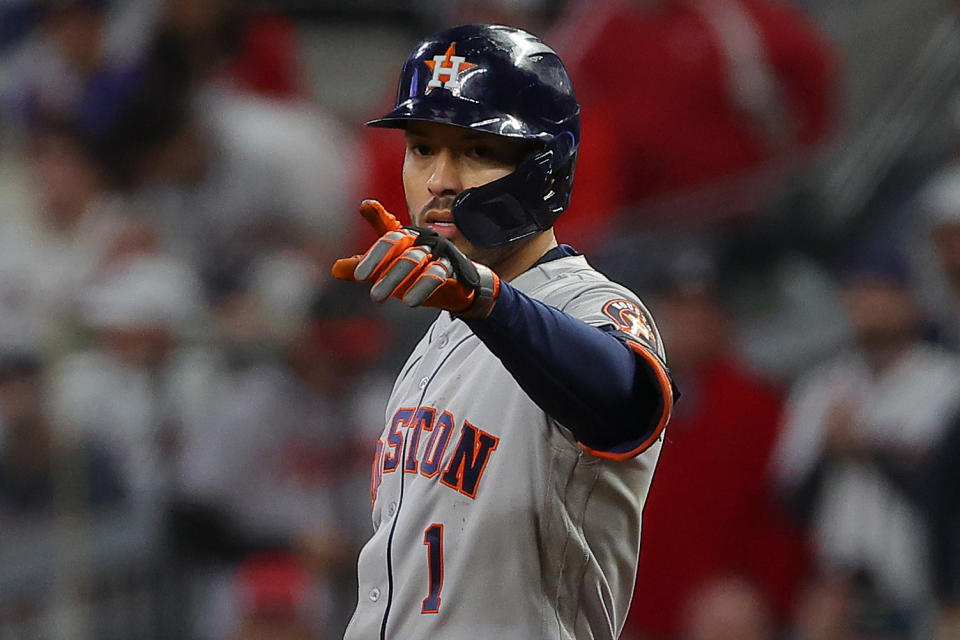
(485, 295)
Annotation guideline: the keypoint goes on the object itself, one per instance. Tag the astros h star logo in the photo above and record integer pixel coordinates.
(447, 70)
(629, 318)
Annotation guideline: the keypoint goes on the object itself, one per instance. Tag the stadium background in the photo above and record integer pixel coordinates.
(187, 403)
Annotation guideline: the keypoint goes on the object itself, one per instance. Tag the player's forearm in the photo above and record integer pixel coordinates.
(582, 376)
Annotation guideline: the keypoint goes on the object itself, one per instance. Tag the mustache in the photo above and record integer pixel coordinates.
(438, 203)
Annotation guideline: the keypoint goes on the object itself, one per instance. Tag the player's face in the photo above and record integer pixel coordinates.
(443, 160)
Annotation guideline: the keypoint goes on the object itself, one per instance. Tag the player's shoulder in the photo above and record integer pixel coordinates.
(572, 285)
(564, 279)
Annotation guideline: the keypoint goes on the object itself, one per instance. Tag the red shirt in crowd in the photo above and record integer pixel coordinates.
(710, 513)
(678, 97)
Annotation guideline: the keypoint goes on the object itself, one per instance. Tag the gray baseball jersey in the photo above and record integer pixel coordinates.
(490, 519)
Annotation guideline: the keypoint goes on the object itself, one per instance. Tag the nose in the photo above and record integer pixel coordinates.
(445, 175)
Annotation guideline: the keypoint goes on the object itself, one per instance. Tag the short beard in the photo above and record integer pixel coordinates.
(491, 257)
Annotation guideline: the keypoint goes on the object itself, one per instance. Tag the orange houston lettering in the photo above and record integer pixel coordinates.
(467, 464)
(469, 460)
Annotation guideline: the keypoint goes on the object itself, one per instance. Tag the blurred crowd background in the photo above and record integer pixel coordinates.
(188, 404)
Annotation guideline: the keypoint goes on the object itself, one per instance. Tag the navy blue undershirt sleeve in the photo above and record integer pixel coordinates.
(585, 377)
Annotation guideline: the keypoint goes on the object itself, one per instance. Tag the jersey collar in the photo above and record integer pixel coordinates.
(547, 267)
(560, 251)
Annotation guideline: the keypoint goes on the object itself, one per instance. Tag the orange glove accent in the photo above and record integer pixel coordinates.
(431, 285)
(399, 266)
(453, 296)
(393, 241)
(437, 286)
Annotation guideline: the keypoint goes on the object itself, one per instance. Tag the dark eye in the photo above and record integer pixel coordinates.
(483, 152)
(420, 149)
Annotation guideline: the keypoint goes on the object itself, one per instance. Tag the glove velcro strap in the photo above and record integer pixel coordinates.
(465, 271)
(485, 294)
(484, 282)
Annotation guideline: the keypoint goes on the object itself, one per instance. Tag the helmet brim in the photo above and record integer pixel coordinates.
(465, 115)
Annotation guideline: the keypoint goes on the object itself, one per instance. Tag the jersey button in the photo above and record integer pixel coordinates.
(392, 509)
(374, 594)
(423, 383)
(442, 342)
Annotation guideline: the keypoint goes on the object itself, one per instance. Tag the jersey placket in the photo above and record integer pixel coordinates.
(425, 373)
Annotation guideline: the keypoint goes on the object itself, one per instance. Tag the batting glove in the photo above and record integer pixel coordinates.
(419, 267)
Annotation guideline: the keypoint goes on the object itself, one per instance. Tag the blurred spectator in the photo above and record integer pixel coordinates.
(227, 177)
(941, 488)
(278, 600)
(249, 50)
(680, 96)
(823, 611)
(940, 201)
(66, 68)
(88, 57)
(857, 428)
(523, 14)
(138, 382)
(17, 18)
(728, 609)
(381, 157)
(709, 514)
(43, 473)
(66, 242)
(191, 123)
(847, 606)
(283, 461)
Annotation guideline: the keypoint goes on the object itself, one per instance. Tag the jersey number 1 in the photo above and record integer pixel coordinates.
(433, 539)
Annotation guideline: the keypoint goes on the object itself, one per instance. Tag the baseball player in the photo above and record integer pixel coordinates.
(522, 434)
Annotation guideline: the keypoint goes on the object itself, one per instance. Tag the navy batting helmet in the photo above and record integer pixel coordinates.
(506, 82)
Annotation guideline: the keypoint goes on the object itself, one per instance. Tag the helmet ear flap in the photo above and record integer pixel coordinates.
(561, 156)
(521, 204)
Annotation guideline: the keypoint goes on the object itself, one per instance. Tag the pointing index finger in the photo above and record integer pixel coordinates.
(379, 218)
